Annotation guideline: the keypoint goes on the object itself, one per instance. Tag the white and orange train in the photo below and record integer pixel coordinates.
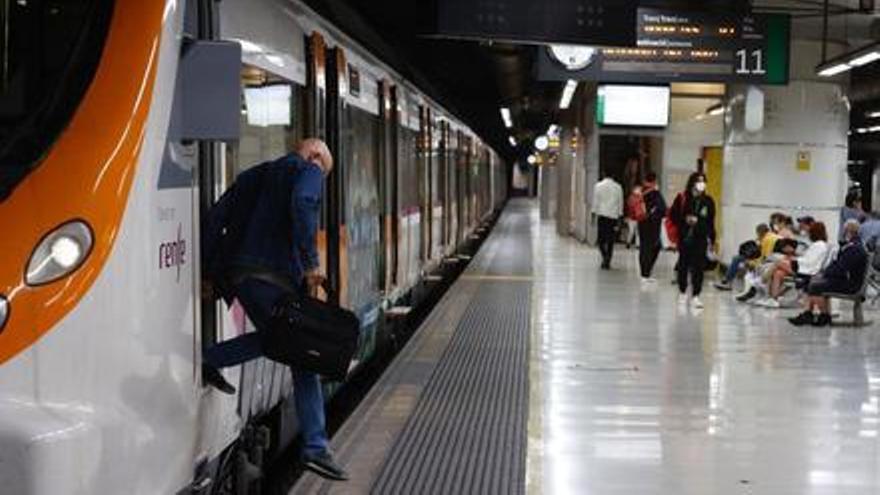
(111, 149)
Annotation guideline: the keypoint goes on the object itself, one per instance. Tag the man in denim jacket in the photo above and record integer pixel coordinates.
(258, 245)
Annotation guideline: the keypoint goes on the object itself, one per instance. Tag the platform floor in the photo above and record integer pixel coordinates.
(631, 394)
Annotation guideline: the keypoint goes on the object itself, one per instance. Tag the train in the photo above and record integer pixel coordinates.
(121, 121)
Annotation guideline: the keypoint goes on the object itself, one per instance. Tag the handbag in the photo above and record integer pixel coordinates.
(312, 335)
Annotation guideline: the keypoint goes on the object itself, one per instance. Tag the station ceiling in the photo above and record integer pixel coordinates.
(476, 78)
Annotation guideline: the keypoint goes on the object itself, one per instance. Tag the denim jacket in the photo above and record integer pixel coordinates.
(268, 221)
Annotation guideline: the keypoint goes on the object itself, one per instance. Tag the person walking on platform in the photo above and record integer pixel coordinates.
(608, 208)
(650, 222)
(259, 246)
(695, 218)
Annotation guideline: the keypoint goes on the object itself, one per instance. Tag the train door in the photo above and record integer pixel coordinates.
(423, 174)
(388, 184)
(334, 198)
(438, 161)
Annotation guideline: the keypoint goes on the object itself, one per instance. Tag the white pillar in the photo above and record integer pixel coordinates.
(809, 119)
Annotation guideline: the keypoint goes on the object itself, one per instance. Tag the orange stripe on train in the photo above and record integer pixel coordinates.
(87, 174)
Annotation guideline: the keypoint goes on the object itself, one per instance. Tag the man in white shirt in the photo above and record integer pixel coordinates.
(608, 207)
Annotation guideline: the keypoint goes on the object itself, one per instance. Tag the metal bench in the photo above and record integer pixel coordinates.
(858, 299)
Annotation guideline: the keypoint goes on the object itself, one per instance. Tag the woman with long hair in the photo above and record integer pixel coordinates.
(694, 217)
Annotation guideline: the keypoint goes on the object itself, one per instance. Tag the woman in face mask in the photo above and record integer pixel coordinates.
(695, 219)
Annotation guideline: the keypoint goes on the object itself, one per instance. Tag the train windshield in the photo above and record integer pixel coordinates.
(49, 51)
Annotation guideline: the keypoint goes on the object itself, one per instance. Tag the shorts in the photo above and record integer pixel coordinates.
(819, 286)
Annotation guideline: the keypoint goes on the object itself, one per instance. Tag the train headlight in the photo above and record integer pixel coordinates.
(4, 312)
(60, 253)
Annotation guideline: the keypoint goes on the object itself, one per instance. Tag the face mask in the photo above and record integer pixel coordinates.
(700, 187)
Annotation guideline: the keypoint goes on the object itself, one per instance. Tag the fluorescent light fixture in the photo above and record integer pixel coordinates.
(248, 46)
(857, 58)
(875, 128)
(505, 114)
(512, 141)
(567, 94)
(873, 115)
(833, 70)
(861, 130)
(865, 59)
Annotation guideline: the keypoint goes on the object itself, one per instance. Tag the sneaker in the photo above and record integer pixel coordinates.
(805, 318)
(770, 303)
(212, 376)
(723, 285)
(682, 299)
(745, 296)
(823, 320)
(697, 303)
(323, 465)
(650, 280)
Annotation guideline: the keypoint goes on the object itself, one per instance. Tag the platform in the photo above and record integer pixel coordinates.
(539, 373)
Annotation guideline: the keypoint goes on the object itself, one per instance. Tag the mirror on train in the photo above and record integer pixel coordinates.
(211, 89)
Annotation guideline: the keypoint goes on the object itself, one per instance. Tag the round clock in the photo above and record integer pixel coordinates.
(572, 57)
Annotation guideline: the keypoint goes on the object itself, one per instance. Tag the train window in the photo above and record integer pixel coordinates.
(49, 51)
(271, 119)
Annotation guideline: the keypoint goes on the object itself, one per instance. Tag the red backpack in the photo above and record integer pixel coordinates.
(635, 206)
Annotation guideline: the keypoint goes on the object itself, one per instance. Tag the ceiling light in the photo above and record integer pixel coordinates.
(861, 130)
(505, 114)
(873, 115)
(541, 143)
(531, 159)
(833, 70)
(553, 130)
(512, 141)
(567, 94)
(865, 59)
(248, 46)
(856, 58)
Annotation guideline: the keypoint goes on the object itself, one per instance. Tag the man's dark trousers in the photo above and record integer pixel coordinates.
(607, 237)
(650, 246)
(259, 299)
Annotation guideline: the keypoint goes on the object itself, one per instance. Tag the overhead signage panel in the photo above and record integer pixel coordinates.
(689, 47)
(581, 22)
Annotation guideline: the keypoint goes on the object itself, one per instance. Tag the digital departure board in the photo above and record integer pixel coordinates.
(583, 22)
(677, 46)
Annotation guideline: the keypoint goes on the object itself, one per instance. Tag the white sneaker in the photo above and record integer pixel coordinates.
(650, 280)
(682, 299)
(697, 303)
(771, 303)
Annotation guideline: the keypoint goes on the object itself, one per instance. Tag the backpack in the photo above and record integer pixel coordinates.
(750, 250)
(224, 225)
(671, 227)
(636, 208)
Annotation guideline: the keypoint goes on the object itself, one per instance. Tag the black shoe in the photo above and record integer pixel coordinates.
(748, 295)
(805, 318)
(323, 465)
(214, 378)
(823, 320)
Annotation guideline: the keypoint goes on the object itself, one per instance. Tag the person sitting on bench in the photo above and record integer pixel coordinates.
(845, 275)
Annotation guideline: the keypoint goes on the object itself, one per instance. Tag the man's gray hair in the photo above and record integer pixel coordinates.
(851, 226)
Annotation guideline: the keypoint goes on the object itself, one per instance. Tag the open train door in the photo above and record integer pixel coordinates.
(317, 104)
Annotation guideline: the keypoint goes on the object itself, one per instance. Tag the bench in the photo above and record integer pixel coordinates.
(858, 299)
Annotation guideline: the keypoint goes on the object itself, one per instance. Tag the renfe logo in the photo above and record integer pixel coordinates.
(173, 254)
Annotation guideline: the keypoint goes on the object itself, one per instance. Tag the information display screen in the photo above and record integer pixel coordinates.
(634, 106)
(584, 22)
(677, 46)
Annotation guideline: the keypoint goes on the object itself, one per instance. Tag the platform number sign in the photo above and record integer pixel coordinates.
(751, 62)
